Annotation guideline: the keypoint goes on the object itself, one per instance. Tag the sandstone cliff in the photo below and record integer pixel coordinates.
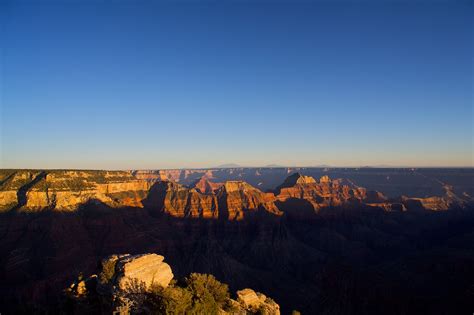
(325, 193)
(179, 201)
(205, 186)
(31, 190)
(232, 201)
(238, 198)
(11, 184)
(67, 190)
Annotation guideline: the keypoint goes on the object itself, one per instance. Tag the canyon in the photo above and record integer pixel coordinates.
(203, 196)
(312, 240)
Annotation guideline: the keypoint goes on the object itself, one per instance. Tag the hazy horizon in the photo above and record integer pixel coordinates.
(96, 85)
(251, 166)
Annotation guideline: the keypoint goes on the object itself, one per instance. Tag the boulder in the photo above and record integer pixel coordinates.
(248, 298)
(253, 301)
(146, 270)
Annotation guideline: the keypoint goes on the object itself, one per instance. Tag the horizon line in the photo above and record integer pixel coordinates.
(241, 167)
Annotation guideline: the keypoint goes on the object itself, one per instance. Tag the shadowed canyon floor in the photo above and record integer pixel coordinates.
(318, 245)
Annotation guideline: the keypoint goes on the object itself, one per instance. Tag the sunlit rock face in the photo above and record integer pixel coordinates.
(204, 197)
(146, 269)
(179, 201)
(231, 201)
(237, 199)
(325, 193)
(205, 186)
(68, 190)
(11, 183)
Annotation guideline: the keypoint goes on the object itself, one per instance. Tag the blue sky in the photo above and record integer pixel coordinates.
(117, 85)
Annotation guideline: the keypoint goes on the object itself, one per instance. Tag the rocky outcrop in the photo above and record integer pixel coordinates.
(324, 193)
(256, 302)
(11, 184)
(150, 175)
(142, 284)
(145, 270)
(205, 186)
(237, 199)
(179, 201)
(68, 190)
(430, 203)
(8, 199)
(232, 201)
(297, 179)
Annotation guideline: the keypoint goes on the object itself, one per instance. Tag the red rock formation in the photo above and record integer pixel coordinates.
(180, 201)
(205, 186)
(232, 201)
(238, 198)
(324, 193)
(68, 190)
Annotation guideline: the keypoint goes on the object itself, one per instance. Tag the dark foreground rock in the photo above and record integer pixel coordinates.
(140, 284)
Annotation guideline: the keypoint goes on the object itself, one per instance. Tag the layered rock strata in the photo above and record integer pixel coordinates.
(232, 200)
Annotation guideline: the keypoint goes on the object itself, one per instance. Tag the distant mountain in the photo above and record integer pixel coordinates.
(274, 165)
(322, 166)
(229, 165)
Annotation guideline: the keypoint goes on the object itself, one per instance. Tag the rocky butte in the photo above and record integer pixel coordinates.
(231, 200)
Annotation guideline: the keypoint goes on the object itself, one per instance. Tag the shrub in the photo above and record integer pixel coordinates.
(208, 293)
(200, 294)
(108, 270)
(171, 300)
(203, 283)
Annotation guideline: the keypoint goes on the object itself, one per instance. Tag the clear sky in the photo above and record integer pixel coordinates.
(143, 84)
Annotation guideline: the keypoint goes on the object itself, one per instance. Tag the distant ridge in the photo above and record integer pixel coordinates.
(274, 166)
(228, 165)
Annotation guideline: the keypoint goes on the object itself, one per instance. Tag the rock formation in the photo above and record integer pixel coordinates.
(324, 193)
(139, 284)
(233, 199)
(237, 198)
(254, 302)
(179, 201)
(146, 269)
(68, 190)
(13, 183)
(205, 186)
(296, 179)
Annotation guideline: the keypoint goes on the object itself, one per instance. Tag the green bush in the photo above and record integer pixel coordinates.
(197, 294)
(172, 300)
(200, 284)
(201, 294)
(108, 270)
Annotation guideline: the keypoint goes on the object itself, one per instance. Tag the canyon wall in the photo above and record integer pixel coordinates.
(63, 190)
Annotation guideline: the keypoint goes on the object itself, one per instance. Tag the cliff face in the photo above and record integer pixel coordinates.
(10, 184)
(206, 186)
(67, 190)
(231, 200)
(324, 193)
(179, 201)
(239, 198)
